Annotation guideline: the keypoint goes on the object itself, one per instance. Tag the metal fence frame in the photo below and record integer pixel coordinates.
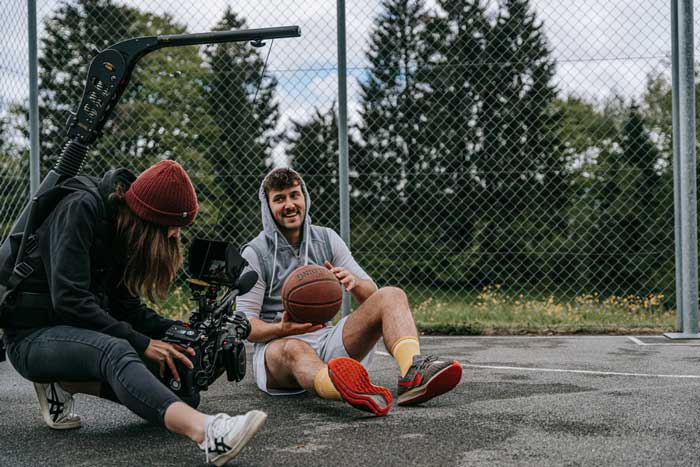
(683, 149)
(685, 186)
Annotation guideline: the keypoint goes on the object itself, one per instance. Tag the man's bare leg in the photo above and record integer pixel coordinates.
(291, 363)
(386, 313)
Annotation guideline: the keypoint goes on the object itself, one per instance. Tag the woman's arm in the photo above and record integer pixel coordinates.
(131, 309)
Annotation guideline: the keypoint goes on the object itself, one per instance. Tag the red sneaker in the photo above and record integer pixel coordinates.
(428, 377)
(351, 380)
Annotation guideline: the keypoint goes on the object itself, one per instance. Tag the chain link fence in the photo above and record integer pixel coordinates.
(14, 160)
(523, 144)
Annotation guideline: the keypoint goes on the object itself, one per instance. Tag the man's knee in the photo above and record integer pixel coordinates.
(283, 359)
(393, 297)
(286, 351)
(393, 293)
(294, 349)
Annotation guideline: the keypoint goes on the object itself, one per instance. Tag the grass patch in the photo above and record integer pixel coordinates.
(493, 312)
(178, 305)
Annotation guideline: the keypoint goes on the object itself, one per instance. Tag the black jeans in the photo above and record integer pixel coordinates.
(67, 353)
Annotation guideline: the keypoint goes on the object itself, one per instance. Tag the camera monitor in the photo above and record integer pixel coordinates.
(214, 261)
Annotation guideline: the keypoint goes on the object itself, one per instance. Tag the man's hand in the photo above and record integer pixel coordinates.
(345, 277)
(165, 353)
(291, 328)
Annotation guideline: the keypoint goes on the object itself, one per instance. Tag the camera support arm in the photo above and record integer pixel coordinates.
(108, 75)
(111, 69)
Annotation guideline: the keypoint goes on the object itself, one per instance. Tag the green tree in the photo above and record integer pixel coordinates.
(14, 178)
(313, 152)
(621, 214)
(589, 135)
(395, 162)
(456, 39)
(245, 113)
(158, 113)
(631, 238)
(398, 173)
(519, 159)
(657, 109)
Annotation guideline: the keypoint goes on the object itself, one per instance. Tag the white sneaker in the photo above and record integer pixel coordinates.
(225, 435)
(56, 406)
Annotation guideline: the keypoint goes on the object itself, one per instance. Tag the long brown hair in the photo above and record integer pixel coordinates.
(151, 259)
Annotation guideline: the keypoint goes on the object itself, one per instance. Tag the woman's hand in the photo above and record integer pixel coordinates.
(291, 328)
(165, 353)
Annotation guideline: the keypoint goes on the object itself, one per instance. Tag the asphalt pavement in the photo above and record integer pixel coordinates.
(522, 401)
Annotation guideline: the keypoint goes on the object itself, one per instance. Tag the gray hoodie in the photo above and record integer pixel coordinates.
(271, 255)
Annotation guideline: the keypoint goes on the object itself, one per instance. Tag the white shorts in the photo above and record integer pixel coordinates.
(328, 344)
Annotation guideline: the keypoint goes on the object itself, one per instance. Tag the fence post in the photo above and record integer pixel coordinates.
(676, 163)
(343, 162)
(34, 156)
(687, 184)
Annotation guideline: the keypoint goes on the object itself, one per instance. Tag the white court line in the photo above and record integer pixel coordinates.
(639, 342)
(556, 336)
(558, 370)
(584, 372)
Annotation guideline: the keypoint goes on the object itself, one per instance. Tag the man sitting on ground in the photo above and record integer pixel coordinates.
(328, 361)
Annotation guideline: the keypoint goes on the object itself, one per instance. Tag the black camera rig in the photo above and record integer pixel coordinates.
(215, 331)
(108, 76)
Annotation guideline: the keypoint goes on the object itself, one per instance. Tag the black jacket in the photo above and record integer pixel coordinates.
(78, 276)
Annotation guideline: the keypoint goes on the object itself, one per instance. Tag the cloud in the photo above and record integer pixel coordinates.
(602, 81)
(601, 46)
(606, 29)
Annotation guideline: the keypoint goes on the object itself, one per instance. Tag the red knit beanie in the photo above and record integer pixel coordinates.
(163, 194)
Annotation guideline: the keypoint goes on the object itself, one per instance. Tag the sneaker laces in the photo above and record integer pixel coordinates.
(217, 427)
(426, 361)
(60, 402)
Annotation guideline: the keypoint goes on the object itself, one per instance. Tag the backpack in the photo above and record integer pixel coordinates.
(13, 269)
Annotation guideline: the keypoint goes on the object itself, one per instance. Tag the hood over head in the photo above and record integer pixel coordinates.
(272, 230)
(112, 178)
(270, 227)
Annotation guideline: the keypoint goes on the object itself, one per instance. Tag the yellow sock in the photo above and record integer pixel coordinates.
(403, 351)
(324, 386)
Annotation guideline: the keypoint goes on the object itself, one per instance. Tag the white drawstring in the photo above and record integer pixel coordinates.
(274, 263)
(306, 239)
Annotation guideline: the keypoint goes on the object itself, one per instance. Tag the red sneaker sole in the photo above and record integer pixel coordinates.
(442, 382)
(352, 382)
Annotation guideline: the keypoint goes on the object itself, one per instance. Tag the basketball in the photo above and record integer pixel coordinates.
(311, 294)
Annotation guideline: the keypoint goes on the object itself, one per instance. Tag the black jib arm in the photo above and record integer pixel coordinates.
(108, 75)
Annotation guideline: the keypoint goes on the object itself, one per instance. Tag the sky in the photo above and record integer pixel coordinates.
(602, 47)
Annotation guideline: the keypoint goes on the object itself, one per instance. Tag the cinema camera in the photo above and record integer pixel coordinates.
(215, 330)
